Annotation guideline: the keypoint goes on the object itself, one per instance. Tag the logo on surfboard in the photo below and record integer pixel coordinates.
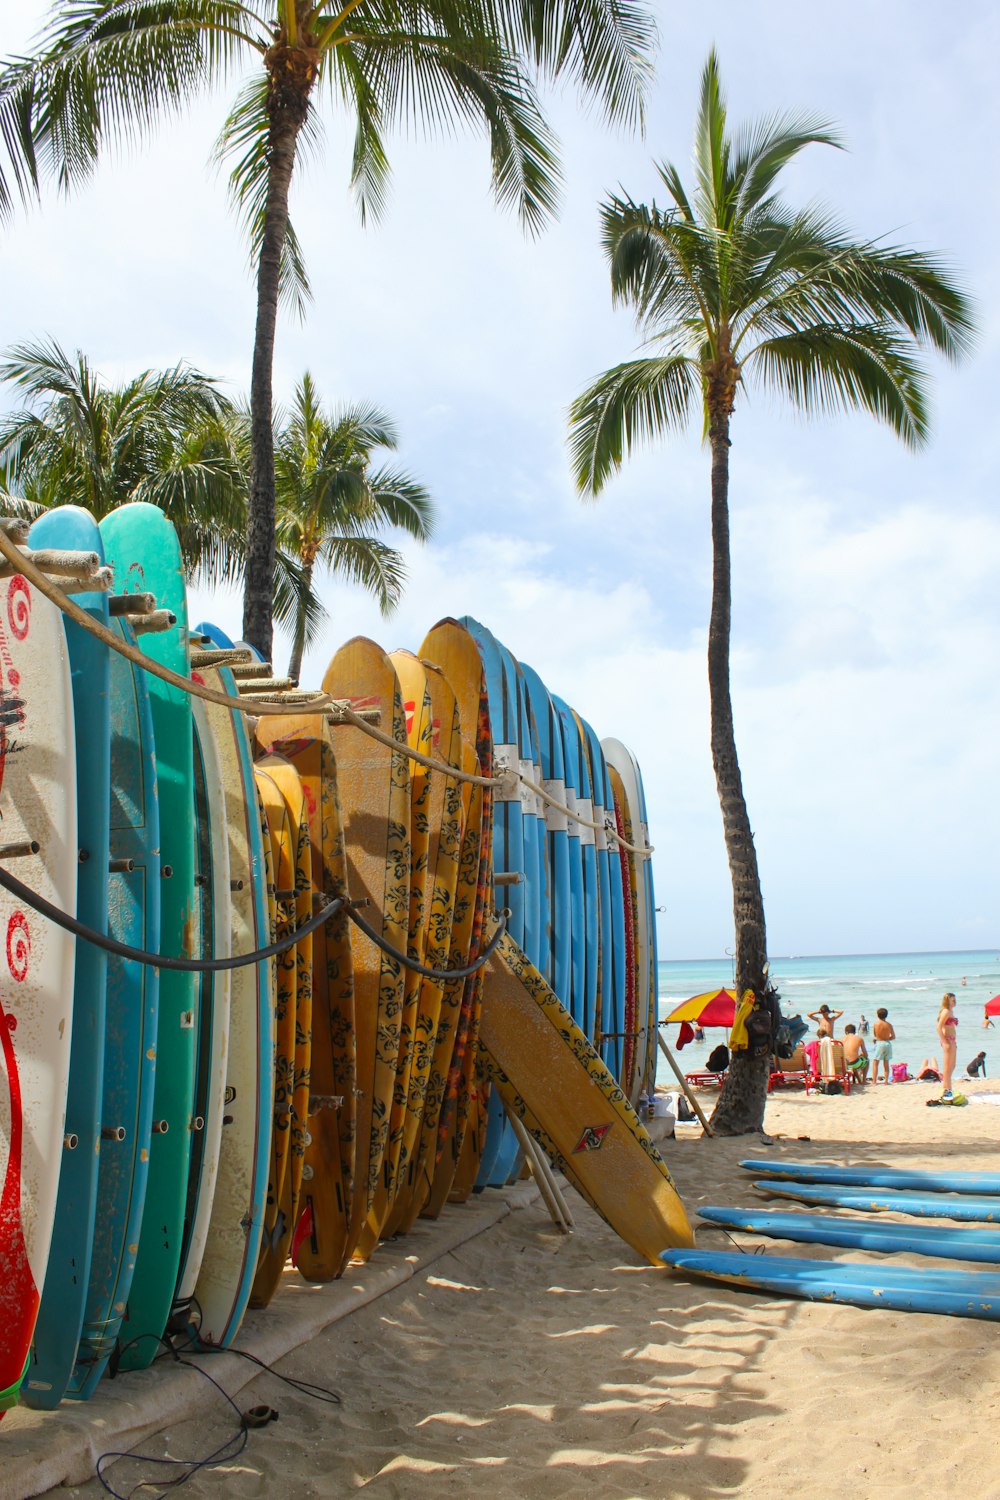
(592, 1138)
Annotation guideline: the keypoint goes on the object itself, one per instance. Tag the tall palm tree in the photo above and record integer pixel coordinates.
(332, 502)
(107, 69)
(733, 289)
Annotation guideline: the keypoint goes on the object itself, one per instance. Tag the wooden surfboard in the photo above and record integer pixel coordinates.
(319, 1238)
(132, 1000)
(277, 1242)
(403, 1120)
(37, 803)
(552, 1075)
(374, 783)
(462, 1126)
(60, 1315)
(142, 547)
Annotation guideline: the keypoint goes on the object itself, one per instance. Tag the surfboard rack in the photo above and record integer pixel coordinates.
(126, 605)
(158, 620)
(508, 877)
(18, 851)
(234, 656)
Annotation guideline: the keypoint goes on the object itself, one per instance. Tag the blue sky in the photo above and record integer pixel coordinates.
(865, 623)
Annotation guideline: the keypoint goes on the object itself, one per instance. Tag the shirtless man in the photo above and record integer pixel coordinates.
(884, 1037)
(855, 1055)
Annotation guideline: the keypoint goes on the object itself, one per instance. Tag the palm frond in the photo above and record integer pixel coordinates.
(835, 368)
(642, 399)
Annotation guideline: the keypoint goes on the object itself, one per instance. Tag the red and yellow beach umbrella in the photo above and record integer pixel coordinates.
(713, 1008)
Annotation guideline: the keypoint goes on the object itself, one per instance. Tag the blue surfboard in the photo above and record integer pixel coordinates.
(577, 1002)
(130, 1022)
(960, 1294)
(982, 1184)
(558, 918)
(60, 1313)
(611, 999)
(575, 753)
(941, 1240)
(214, 636)
(886, 1200)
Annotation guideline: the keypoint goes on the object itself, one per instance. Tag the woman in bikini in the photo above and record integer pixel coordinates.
(947, 1024)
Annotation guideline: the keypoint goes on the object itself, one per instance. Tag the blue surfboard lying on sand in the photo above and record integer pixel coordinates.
(960, 1294)
(983, 1184)
(942, 1240)
(885, 1200)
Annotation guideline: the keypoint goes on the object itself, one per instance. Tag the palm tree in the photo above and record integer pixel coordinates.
(331, 502)
(731, 288)
(106, 69)
(78, 441)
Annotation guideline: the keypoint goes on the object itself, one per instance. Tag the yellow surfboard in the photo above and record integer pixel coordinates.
(277, 1241)
(374, 783)
(547, 1071)
(321, 1234)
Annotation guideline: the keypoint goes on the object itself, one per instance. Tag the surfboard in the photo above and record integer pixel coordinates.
(609, 1024)
(923, 1181)
(277, 1242)
(558, 916)
(132, 1000)
(214, 908)
(374, 785)
(141, 545)
(621, 762)
(553, 1075)
(60, 1314)
(405, 1111)
(285, 976)
(229, 1262)
(626, 932)
(960, 1294)
(37, 804)
(320, 1234)
(984, 1210)
(882, 1235)
(447, 944)
(576, 1004)
(462, 1127)
(509, 855)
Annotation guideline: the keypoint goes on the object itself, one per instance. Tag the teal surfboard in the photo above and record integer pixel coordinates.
(126, 1116)
(886, 1200)
(142, 546)
(983, 1184)
(960, 1294)
(945, 1241)
(60, 1314)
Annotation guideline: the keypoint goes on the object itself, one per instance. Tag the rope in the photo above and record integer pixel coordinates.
(258, 707)
(159, 960)
(410, 963)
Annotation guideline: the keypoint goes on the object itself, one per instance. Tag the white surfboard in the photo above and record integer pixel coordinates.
(37, 804)
(621, 758)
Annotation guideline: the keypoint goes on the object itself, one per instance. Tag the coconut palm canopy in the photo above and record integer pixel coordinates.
(732, 288)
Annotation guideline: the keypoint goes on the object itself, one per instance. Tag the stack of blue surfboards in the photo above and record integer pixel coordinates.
(961, 1197)
(581, 906)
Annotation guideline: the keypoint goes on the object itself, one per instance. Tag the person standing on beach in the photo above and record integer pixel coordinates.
(863, 1026)
(824, 1018)
(947, 1030)
(884, 1036)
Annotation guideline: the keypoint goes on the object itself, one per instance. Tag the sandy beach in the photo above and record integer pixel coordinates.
(533, 1366)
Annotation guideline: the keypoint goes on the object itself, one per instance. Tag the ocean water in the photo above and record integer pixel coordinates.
(909, 985)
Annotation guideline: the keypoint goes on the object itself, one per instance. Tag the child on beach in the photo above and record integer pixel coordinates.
(824, 1018)
(855, 1055)
(884, 1037)
(977, 1067)
(947, 1030)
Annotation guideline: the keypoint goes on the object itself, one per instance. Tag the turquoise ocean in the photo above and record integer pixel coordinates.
(909, 985)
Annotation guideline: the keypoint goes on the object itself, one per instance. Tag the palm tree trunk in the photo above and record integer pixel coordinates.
(288, 107)
(298, 646)
(741, 1104)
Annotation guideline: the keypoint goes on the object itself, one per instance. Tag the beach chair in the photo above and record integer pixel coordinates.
(789, 1070)
(704, 1080)
(832, 1066)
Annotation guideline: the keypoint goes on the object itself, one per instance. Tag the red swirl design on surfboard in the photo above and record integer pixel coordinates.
(18, 1292)
(19, 607)
(18, 946)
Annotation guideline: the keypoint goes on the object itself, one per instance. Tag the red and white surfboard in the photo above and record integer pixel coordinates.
(37, 805)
